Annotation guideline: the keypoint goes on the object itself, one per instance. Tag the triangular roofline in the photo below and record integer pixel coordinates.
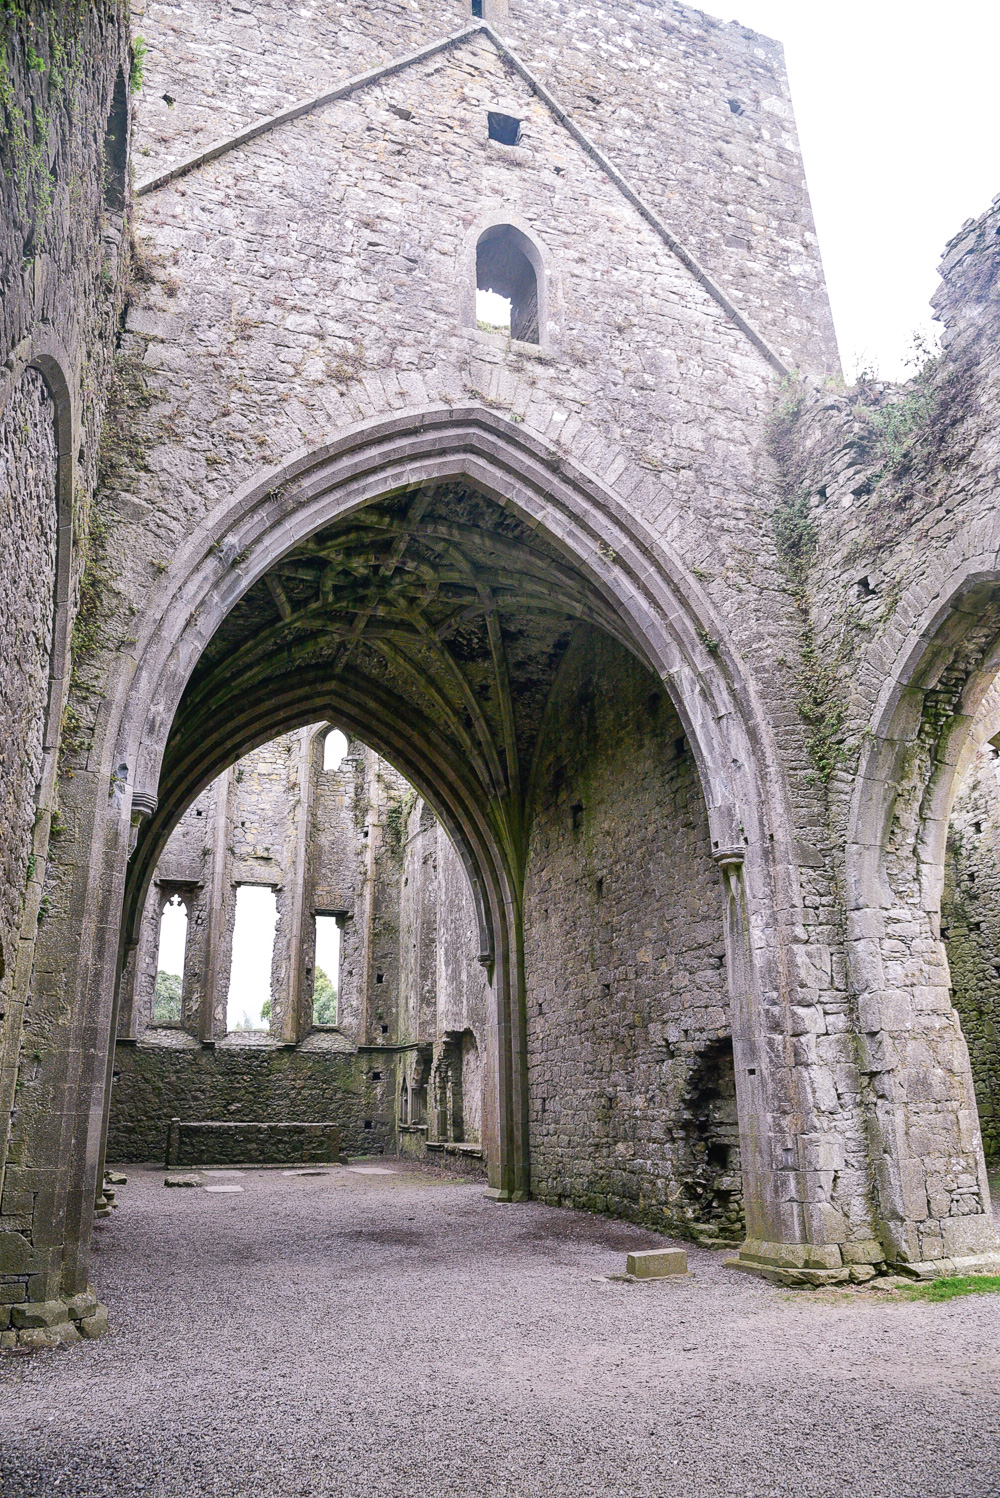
(388, 70)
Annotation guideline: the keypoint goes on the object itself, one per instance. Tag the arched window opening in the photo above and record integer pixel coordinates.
(169, 991)
(334, 749)
(248, 1006)
(116, 149)
(506, 274)
(326, 973)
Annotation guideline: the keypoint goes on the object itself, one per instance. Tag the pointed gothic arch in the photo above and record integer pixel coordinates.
(638, 592)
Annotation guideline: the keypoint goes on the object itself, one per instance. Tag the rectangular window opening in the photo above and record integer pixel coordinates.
(503, 128)
(326, 974)
(477, 9)
(170, 955)
(248, 1006)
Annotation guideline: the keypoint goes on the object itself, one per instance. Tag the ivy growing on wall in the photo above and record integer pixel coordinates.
(43, 71)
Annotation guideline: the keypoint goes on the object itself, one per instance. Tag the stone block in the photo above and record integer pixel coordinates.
(969, 1235)
(863, 1251)
(17, 1255)
(38, 1337)
(656, 1263)
(82, 1305)
(95, 1326)
(40, 1313)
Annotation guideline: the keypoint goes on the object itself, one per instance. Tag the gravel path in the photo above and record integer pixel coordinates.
(391, 1335)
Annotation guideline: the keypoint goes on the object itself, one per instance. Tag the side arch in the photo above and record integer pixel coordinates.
(933, 1195)
(44, 354)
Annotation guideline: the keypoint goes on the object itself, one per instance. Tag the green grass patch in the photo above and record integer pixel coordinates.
(947, 1289)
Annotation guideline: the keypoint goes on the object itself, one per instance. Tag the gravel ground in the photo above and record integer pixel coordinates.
(390, 1335)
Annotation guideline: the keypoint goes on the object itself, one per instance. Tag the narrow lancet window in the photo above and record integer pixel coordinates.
(326, 974)
(168, 993)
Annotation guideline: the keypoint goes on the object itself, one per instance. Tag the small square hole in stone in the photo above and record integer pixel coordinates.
(504, 128)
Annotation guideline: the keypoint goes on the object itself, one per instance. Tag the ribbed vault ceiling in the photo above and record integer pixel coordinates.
(437, 595)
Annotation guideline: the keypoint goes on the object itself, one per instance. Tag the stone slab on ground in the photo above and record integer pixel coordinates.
(656, 1263)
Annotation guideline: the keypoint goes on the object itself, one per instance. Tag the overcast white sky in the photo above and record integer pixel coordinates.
(897, 109)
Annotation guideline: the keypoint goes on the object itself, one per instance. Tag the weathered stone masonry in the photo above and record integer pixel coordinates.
(894, 513)
(625, 962)
(687, 663)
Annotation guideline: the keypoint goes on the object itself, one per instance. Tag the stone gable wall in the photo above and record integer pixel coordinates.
(694, 110)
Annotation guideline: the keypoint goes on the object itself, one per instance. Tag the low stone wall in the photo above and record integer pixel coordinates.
(249, 1084)
(192, 1142)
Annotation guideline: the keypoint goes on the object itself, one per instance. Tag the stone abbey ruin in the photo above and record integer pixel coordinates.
(595, 718)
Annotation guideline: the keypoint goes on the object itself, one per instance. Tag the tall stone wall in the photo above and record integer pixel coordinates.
(886, 528)
(443, 1021)
(64, 266)
(323, 274)
(633, 1109)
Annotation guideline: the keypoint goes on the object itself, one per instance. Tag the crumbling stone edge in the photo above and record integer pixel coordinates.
(52, 1323)
(810, 1266)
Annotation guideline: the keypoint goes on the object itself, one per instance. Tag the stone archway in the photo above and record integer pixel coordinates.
(630, 587)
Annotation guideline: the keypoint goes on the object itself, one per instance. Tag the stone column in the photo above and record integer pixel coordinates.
(293, 1021)
(212, 991)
